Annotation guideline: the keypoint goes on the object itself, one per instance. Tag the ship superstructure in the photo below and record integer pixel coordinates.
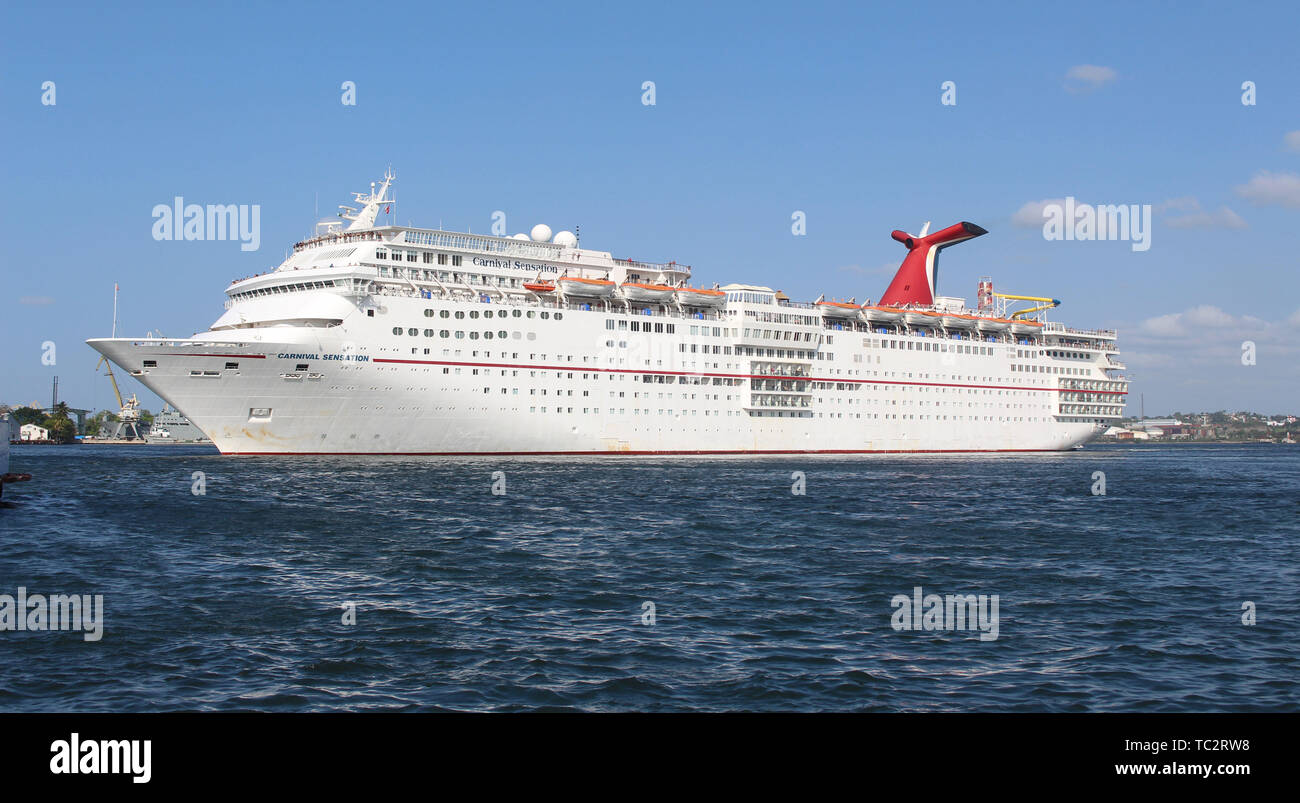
(169, 426)
(398, 340)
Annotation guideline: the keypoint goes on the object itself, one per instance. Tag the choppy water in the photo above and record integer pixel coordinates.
(763, 599)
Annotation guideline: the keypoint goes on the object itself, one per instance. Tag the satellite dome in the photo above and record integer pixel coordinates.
(520, 236)
(541, 233)
(566, 238)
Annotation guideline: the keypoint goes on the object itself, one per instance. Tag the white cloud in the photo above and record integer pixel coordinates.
(1192, 360)
(1210, 321)
(1267, 189)
(1031, 214)
(1186, 203)
(1292, 140)
(36, 301)
(1088, 77)
(1224, 218)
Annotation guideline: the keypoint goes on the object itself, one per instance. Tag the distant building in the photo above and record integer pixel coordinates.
(31, 432)
(1122, 434)
(1159, 422)
(1173, 428)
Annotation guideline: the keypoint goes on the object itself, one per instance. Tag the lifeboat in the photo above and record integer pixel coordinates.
(1026, 327)
(635, 291)
(838, 309)
(590, 288)
(992, 324)
(699, 297)
(539, 287)
(918, 318)
(881, 314)
(958, 322)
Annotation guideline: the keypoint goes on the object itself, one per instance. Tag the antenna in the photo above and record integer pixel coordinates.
(372, 204)
(114, 309)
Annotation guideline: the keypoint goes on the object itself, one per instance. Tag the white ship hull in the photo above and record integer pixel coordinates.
(552, 394)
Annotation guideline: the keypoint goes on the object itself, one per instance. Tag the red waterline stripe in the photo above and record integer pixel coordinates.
(570, 368)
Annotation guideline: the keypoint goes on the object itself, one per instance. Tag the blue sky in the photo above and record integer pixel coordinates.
(761, 110)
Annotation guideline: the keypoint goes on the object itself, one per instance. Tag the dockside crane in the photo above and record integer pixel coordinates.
(128, 416)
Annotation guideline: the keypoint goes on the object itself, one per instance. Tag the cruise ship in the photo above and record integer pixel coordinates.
(383, 339)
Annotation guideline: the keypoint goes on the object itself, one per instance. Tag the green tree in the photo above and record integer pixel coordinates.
(95, 423)
(62, 429)
(28, 415)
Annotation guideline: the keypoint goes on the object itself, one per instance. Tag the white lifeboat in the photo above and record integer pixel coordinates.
(838, 309)
(699, 297)
(1026, 328)
(992, 324)
(636, 291)
(881, 314)
(958, 322)
(918, 318)
(589, 288)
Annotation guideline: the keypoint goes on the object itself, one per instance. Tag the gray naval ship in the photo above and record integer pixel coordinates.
(169, 426)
